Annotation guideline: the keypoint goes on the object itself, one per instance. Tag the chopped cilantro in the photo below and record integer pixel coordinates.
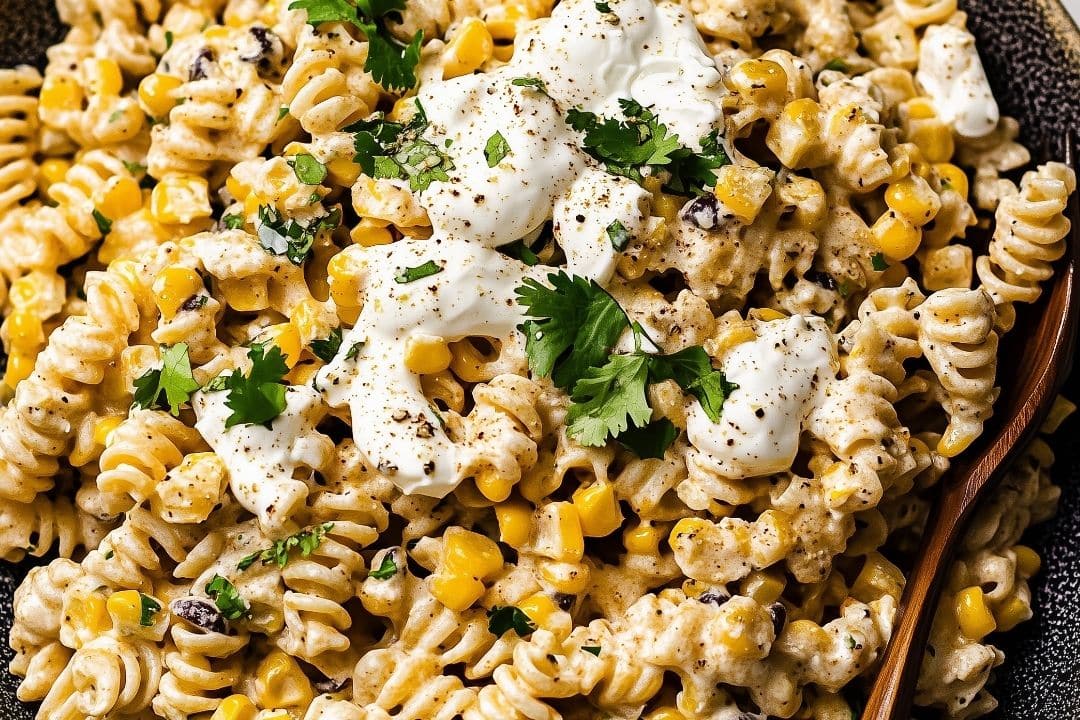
(878, 262)
(392, 150)
(233, 222)
(290, 238)
(850, 642)
(496, 149)
(354, 350)
(837, 64)
(386, 569)
(391, 64)
(575, 324)
(650, 441)
(307, 169)
(104, 224)
(169, 386)
(602, 7)
(283, 112)
(168, 39)
(259, 397)
(692, 369)
(306, 541)
(412, 274)
(148, 608)
(508, 617)
(109, 554)
(226, 597)
(594, 649)
(618, 235)
(530, 82)
(607, 400)
(328, 347)
(134, 168)
(520, 250)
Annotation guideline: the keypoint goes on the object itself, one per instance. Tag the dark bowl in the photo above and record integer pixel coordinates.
(1031, 50)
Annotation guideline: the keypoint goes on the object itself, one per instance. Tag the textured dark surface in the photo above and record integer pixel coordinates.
(1031, 51)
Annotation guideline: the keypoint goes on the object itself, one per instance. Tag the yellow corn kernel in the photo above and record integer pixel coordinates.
(913, 199)
(515, 522)
(503, 53)
(216, 32)
(539, 608)
(571, 543)
(763, 586)
(807, 632)
(343, 171)
(369, 234)
(287, 338)
(973, 614)
(878, 578)
(470, 553)
(743, 190)
(688, 526)
(180, 199)
(502, 19)
(934, 138)
(797, 132)
(919, 108)
(280, 683)
(457, 592)
(104, 76)
(235, 707)
(493, 485)
(308, 317)
(243, 295)
(642, 540)
(119, 198)
(598, 509)
(104, 426)
(567, 578)
(953, 178)
(1028, 561)
(60, 93)
(157, 94)
(895, 236)
(736, 636)
(427, 354)
(665, 205)
(90, 613)
(768, 314)
(125, 607)
(19, 367)
(471, 47)
(24, 330)
(345, 279)
(1011, 613)
(758, 77)
(173, 286)
(665, 713)
(53, 170)
(237, 188)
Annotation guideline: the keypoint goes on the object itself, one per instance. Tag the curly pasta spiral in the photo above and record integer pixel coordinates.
(18, 120)
(199, 669)
(34, 527)
(108, 676)
(35, 632)
(126, 557)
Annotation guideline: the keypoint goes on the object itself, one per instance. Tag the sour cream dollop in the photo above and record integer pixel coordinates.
(952, 74)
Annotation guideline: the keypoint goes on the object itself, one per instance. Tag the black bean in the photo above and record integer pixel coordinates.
(703, 212)
(199, 65)
(565, 602)
(779, 616)
(820, 278)
(714, 597)
(201, 613)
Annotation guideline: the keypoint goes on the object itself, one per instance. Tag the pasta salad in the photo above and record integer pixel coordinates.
(502, 360)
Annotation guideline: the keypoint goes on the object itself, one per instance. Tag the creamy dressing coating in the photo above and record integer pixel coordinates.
(393, 423)
(780, 375)
(952, 74)
(268, 467)
(588, 59)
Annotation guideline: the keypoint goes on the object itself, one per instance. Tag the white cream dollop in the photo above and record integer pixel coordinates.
(587, 59)
(394, 425)
(269, 468)
(779, 376)
(952, 74)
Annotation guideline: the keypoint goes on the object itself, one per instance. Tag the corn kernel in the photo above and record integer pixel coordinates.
(598, 509)
(1011, 613)
(493, 485)
(503, 53)
(768, 314)
(919, 108)
(763, 586)
(53, 170)
(471, 47)
(743, 190)
(665, 713)
(235, 707)
(567, 578)
(688, 526)
(539, 608)
(736, 636)
(878, 578)
(180, 199)
(104, 427)
(19, 367)
(953, 178)
(502, 19)
(568, 543)
(427, 354)
(369, 234)
(515, 522)
(642, 540)
(280, 683)
(125, 607)
(287, 338)
(24, 330)
(119, 198)
(972, 613)
(237, 188)
(913, 199)
(1028, 561)
(90, 613)
(156, 94)
(173, 286)
(345, 272)
(343, 171)
(934, 138)
(457, 592)
(758, 77)
(895, 236)
(105, 77)
(60, 93)
(470, 553)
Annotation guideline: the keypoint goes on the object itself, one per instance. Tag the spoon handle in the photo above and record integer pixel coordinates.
(894, 689)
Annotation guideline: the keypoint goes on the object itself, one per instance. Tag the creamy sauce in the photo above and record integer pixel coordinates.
(393, 423)
(952, 74)
(780, 375)
(268, 467)
(587, 59)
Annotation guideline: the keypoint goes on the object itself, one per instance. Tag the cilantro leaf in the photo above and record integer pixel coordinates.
(602, 7)
(306, 541)
(386, 569)
(290, 238)
(618, 235)
(320, 11)
(233, 222)
(354, 350)
(148, 608)
(837, 64)
(134, 168)
(283, 112)
(412, 274)
(307, 169)
(173, 380)
(259, 397)
(391, 150)
(650, 441)
(496, 149)
(168, 39)
(508, 617)
(593, 649)
(530, 82)
(520, 250)
(104, 224)
(878, 262)
(226, 597)
(328, 347)
(608, 399)
(692, 172)
(692, 369)
(575, 325)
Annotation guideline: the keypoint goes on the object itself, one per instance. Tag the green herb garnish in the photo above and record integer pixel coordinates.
(305, 541)
(233, 222)
(328, 347)
(104, 224)
(386, 149)
(386, 569)
(878, 262)
(618, 235)
(307, 169)
(258, 397)
(226, 597)
(412, 274)
(148, 608)
(496, 149)
(169, 386)
(508, 617)
(290, 238)
(530, 82)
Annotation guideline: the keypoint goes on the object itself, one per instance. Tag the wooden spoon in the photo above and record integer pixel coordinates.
(1047, 360)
